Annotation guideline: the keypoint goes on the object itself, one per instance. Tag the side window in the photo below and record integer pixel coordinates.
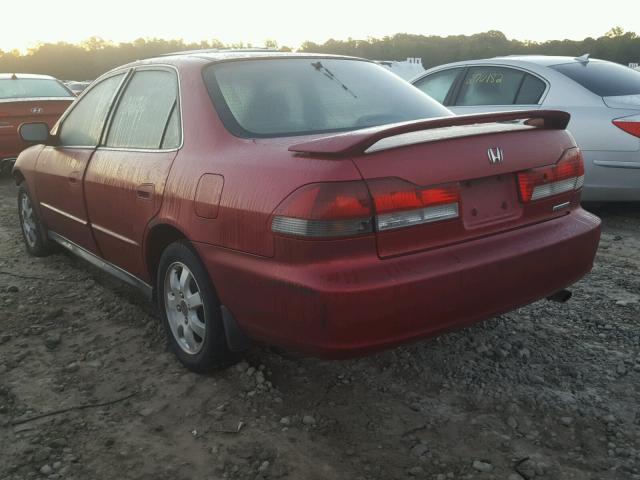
(531, 90)
(83, 126)
(490, 86)
(437, 85)
(145, 113)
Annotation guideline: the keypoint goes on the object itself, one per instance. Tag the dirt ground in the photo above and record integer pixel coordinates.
(551, 391)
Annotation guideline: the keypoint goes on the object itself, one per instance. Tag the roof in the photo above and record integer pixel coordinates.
(542, 60)
(6, 76)
(220, 50)
(532, 62)
(241, 54)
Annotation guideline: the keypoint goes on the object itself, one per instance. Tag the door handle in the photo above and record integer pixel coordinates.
(145, 191)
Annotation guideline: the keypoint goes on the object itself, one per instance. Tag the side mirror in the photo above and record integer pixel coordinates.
(34, 133)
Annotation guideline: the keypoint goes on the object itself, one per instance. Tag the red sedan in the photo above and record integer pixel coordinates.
(27, 98)
(309, 201)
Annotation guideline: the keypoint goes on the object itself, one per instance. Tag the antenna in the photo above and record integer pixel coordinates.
(14, 77)
(584, 58)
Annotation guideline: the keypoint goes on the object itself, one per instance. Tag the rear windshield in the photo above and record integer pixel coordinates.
(297, 96)
(605, 79)
(32, 88)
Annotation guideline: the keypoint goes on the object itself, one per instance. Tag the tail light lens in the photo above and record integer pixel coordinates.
(630, 125)
(400, 204)
(346, 209)
(564, 176)
(325, 210)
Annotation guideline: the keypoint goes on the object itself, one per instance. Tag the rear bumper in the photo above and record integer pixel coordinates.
(364, 304)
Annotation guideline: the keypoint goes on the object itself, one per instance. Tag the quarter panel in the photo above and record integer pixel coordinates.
(258, 175)
(592, 128)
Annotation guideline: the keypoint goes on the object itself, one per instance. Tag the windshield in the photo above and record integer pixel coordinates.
(32, 88)
(605, 79)
(297, 96)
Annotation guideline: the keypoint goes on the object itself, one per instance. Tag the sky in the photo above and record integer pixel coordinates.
(290, 23)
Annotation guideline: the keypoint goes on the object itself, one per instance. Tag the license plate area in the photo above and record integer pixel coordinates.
(491, 200)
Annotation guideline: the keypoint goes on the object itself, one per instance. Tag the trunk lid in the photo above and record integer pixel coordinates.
(13, 113)
(479, 156)
(623, 101)
(489, 195)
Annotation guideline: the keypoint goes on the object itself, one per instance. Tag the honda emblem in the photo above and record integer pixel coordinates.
(495, 155)
(36, 110)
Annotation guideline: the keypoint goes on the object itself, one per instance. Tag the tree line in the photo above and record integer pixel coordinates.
(95, 56)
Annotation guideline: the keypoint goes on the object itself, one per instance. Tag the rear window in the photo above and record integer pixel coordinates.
(605, 79)
(32, 88)
(297, 96)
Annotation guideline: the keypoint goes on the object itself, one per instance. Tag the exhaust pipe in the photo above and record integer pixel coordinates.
(561, 296)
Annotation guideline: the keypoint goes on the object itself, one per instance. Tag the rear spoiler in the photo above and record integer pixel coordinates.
(358, 141)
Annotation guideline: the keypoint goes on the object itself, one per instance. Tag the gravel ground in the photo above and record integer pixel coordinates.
(550, 391)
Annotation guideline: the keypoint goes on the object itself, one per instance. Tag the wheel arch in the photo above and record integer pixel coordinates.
(18, 176)
(159, 237)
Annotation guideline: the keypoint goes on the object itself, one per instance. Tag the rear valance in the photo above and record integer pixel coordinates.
(395, 135)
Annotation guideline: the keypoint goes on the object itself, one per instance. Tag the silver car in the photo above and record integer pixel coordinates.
(602, 97)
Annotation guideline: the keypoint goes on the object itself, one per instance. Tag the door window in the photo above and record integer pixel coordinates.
(499, 86)
(83, 126)
(438, 85)
(531, 90)
(147, 116)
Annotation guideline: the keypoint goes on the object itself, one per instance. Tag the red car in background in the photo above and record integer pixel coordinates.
(309, 201)
(27, 98)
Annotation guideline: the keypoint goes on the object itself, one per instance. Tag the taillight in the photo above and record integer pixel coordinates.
(564, 176)
(399, 203)
(346, 209)
(630, 125)
(323, 210)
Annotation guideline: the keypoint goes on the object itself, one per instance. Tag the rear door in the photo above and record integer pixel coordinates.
(489, 88)
(60, 169)
(125, 181)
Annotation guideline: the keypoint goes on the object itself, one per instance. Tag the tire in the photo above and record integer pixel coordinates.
(34, 233)
(190, 310)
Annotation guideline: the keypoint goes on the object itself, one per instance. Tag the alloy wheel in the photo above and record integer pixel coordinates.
(29, 226)
(184, 308)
